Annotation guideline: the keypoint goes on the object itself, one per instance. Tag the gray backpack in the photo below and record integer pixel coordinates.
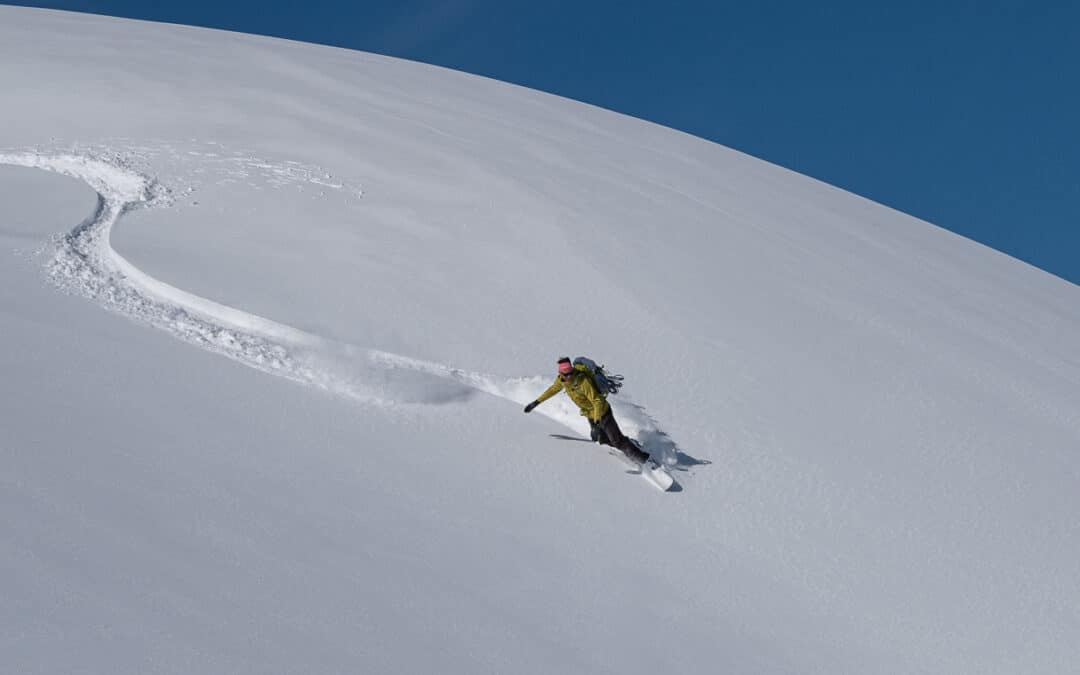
(606, 383)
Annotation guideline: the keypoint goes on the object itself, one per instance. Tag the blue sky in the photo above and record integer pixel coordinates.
(961, 113)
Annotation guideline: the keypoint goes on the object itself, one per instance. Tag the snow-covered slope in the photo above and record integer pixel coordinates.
(371, 263)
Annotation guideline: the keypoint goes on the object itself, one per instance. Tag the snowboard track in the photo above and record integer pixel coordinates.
(83, 262)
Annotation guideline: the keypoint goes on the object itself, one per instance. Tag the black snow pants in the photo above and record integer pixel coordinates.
(610, 434)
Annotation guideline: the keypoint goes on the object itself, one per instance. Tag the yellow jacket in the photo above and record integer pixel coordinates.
(582, 390)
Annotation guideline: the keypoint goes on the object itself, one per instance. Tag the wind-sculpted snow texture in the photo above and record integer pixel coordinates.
(876, 420)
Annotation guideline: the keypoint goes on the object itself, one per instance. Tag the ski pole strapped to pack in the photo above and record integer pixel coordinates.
(606, 383)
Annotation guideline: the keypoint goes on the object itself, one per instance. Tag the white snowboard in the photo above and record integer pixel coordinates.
(657, 475)
(650, 471)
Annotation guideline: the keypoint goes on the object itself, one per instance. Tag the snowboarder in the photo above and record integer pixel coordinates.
(577, 382)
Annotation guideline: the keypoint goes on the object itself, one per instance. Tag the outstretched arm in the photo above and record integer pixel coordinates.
(548, 393)
(555, 388)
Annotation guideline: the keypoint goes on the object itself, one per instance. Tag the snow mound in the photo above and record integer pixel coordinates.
(387, 254)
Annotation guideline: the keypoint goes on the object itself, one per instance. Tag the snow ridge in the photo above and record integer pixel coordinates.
(85, 263)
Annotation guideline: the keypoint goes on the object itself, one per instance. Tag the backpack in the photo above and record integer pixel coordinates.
(606, 383)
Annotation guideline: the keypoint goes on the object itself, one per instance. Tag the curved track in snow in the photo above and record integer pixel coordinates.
(84, 262)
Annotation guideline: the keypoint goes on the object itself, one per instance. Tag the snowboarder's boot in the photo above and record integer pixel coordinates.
(636, 454)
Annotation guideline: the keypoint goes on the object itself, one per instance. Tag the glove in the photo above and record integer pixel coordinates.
(594, 431)
(529, 408)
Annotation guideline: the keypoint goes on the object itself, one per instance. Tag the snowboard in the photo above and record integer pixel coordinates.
(652, 472)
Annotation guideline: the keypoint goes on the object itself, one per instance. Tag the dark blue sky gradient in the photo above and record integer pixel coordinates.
(966, 114)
